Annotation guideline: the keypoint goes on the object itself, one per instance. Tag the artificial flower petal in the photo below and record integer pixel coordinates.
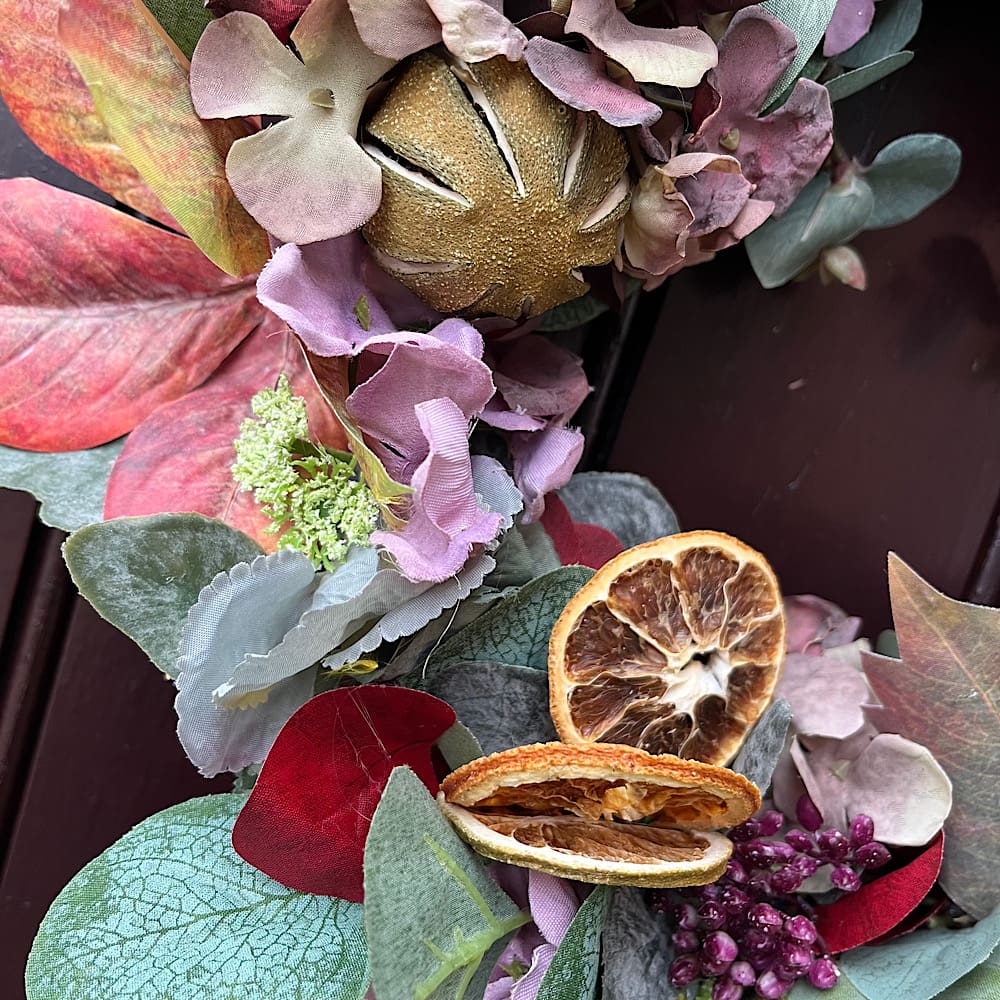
(813, 625)
(826, 693)
(446, 520)
(540, 378)
(577, 81)
(543, 461)
(396, 28)
(280, 15)
(307, 819)
(849, 24)
(476, 30)
(656, 227)
(676, 57)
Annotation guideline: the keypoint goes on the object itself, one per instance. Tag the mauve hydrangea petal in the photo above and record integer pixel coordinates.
(850, 22)
(446, 520)
(396, 28)
(538, 377)
(716, 198)
(543, 460)
(574, 78)
(475, 30)
(754, 213)
(826, 694)
(498, 414)
(813, 624)
(676, 57)
(656, 227)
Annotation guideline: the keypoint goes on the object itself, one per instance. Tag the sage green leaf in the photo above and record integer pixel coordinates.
(183, 21)
(516, 629)
(910, 174)
(844, 990)
(629, 506)
(525, 552)
(809, 20)
(922, 964)
(636, 950)
(572, 314)
(823, 215)
(760, 752)
(431, 911)
(70, 485)
(171, 912)
(458, 746)
(895, 24)
(983, 982)
(573, 972)
(857, 79)
(143, 574)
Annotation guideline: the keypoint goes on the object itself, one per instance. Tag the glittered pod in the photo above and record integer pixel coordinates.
(494, 193)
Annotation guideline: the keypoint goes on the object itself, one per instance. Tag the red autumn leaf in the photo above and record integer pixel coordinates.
(50, 101)
(575, 543)
(179, 459)
(879, 906)
(279, 14)
(307, 819)
(102, 318)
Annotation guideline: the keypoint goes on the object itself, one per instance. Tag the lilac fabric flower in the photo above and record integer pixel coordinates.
(849, 24)
(781, 152)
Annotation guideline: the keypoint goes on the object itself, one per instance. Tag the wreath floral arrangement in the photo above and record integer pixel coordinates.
(302, 400)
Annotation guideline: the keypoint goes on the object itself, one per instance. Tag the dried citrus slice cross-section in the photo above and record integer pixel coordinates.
(602, 813)
(673, 646)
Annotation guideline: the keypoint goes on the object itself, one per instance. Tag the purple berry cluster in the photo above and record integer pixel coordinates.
(750, 928)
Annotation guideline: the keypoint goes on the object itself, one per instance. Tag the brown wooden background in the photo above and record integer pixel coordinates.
(821, 425)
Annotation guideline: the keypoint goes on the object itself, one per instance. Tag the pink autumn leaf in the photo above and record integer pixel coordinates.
(677, 57)
(577, 80)
(80, 343)
(179, 458)
(305, 178)
(781, 152)
(446, 519)
(849, 24)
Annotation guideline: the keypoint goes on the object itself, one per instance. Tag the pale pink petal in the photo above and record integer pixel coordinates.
(553, 903)
(813, 624)
(677, 57)
(656, 226)
(543, 461)
(575, 79)
(446, 520)
(717, 197)
(540, 378)
(475, 30)
(826, 694)
(396, 28)
(850, 22)
(755, 213)
(498, 414)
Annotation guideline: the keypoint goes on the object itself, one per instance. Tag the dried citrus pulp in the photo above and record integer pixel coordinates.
(673, 646)
(610, 814)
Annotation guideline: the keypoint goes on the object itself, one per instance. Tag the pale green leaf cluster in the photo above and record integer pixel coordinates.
(311, 494)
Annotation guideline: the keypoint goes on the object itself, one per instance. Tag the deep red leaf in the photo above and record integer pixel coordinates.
(102, 318)
(179, 458)
(878, 907)
(279, 14)
(307, 819)
(576, 543)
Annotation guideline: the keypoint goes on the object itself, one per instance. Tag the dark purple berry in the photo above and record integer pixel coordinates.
(862, 830)
(769, 823)
(745, 831)
(683, 970)
(833, 845)
(823, 974)
(720, 947)
(758, 853)
(735, 872)
(845, 878)
(800, 840)
(795, 958)
(711, 891)
(759, 884)
(800, 929)
(771, 986)
(872, 855)
(805, 865)
(766, 917)
(759, 942)
(807, 814)
(786, 879)
(712, 967)
(734, 901)
(726, 989)
(742, 973)
(712, 915)
(685, 941)
(686, 917)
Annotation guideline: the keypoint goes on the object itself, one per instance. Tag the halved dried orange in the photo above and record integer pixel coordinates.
(673, 646)
(600, 813)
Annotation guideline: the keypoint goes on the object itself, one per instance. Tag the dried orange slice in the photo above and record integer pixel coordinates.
(673, 646)
(600, 813)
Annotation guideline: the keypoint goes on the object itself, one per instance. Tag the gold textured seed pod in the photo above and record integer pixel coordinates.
(601, 813)
(494, 193)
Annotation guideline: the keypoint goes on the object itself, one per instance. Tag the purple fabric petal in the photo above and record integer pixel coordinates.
(475, 30)
(498, 414)
(553, 903)
(538, 377)
(813, 624)
(575, 79)
(826, 694)
(526, 988)
(850, 22)
(396, 28)
(543, 461)
(446, 520)
(677, 57)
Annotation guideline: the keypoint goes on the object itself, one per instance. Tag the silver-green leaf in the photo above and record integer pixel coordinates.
(572, 975)
(171, 912)
(809, 20)
(895, 24)
(857, 79)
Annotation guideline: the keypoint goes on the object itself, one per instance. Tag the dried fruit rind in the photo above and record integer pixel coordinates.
(673, 646)
(607, 814)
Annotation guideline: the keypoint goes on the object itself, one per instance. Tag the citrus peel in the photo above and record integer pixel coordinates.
(600, 813)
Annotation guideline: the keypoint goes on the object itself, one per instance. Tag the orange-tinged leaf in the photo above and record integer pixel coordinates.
(945, 694)
(50, 101)
(102, 318)
(141, 92)
(179, 459)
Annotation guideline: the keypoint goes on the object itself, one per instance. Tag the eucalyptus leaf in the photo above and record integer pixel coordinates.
(808, 19)
(576, 312)
(920, 965)
(843, 990)
(143, 573)
(823, 215)
(171, 911)
(70, 485)
(759, 755)
(525, 552)
(636, 950)
(910, 174)
(432, 913)
(504, 705)
(572, 974)
(627, 505)
(857, 79)
(516, 630)
(458, 746)
(982, 983)
(895, 24)
(183, 21)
